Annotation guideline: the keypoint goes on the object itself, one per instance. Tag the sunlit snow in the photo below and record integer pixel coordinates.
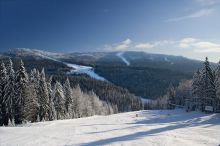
(141, 128)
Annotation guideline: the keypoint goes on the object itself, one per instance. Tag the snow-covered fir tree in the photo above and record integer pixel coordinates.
(77, 95)
(68, 99)
(198, 90)
(43, 97)
(10, 90)
(3, 81)
(31, 106)
(22, 93)
(217, 86)
(52, 111)
(208, 80)
(59, 101)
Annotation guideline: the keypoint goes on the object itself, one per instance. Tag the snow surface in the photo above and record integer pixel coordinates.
(120, 55)
(81, 69)
(142, 128)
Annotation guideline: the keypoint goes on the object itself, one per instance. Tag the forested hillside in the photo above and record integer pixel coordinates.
(31, 97)
(147, 75)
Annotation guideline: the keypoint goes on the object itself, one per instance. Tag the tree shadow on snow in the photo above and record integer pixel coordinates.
(192, 119)
(177, 120)
(134, 136)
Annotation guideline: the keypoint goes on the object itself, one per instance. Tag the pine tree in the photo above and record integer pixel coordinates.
(198, 90)
(217, 86)
(3, 81)
(77, 94)
(31, 102)
(85, 107)
(59, 101)
(10, 90)
(68, 98)
(52, 111)
(96, 104)
(196, 83)
(208, 79)
(43, 96)
(21, 90)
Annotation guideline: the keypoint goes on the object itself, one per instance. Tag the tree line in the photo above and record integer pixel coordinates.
(32, 97)
(106, 91)
(202, 93)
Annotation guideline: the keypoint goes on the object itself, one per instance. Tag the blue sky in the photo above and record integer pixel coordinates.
(188, 28)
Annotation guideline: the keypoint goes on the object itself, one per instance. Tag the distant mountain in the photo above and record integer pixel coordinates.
(144, 74)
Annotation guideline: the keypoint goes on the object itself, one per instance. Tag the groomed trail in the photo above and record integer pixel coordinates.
(141, 128)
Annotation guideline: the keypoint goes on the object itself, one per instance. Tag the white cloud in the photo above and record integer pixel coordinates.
(190, 44)
(197, 14)
(149, 45)
(201, 13)
(189, 47)
(122, 46)
(199, 46)
(187, 42)
(144, 46)
(205, 47)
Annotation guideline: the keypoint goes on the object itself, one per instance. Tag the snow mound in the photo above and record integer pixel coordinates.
(120, 55)
(141, 128)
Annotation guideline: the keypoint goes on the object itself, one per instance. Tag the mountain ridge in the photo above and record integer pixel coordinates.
(148, 75)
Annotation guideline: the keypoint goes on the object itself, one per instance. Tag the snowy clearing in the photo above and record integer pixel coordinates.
(81, 69)
(149, 128)
(120, 55)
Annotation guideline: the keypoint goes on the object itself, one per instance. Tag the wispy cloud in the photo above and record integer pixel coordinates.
(207, 2)
(144, 45)
(186, 42)
(129, 45)
(194, 44)
(197, 14)
(121, 46)
(189, 46)
(149, 45)
(199, 46)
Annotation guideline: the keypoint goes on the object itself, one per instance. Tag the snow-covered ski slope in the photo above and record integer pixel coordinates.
(120, 55)
(142, 128)
(79, 69)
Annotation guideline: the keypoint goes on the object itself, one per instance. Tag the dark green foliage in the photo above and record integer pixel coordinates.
(148, 75)
(142, 81)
